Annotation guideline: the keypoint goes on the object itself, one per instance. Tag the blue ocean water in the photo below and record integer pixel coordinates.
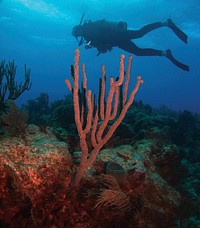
(38, 34)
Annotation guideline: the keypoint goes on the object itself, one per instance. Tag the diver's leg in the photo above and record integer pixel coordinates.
(132, 48)
(129, 46)
(134, 34)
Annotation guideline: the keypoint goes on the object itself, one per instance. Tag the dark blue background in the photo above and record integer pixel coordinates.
(38, 33)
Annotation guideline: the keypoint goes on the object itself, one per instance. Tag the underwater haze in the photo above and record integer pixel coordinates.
(39, 34)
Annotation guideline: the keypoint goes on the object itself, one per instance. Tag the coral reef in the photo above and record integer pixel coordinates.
(146, 176)
(161, 185)
(14, 120)
(9, 88)
(94, 120)
(34, 178)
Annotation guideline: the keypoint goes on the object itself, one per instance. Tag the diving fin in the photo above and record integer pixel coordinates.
(177, 31)
(176, 62)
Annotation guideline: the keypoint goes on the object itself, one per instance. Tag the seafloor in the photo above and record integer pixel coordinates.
(147, 175)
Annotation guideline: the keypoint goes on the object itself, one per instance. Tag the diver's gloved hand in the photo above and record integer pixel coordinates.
(88, 45)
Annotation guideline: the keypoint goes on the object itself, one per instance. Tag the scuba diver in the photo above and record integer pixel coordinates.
(104, 35)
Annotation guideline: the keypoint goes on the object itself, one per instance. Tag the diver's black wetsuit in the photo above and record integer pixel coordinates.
(104, 35)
